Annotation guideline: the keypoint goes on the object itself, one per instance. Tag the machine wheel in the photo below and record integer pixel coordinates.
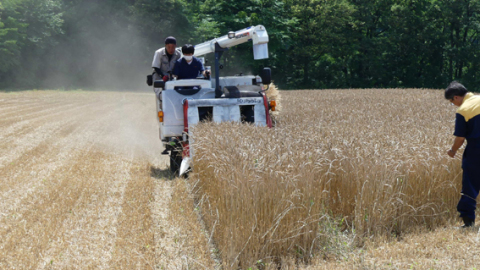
(175, 161)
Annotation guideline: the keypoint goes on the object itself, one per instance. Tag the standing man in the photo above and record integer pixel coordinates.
(467, 126)
(164, 60)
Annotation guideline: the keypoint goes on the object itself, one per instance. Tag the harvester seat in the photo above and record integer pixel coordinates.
(241, 91)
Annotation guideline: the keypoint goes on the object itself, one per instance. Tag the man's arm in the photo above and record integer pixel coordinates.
(157, 64)
(159, 72)
(456, 145)
(460, 134)
(203, 71)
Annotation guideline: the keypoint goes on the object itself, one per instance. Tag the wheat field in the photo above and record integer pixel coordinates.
(347, 179)
(340, 167)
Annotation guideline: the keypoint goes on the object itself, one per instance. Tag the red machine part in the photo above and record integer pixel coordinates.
(185, 116)
(186, 150)
(185, 145)
(267, 111)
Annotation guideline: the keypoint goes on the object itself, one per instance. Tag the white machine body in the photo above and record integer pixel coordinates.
(257, 34)
(185, 103)
(223, 109)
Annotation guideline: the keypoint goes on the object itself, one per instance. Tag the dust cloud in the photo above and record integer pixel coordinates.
(102, 48)
(134, 132)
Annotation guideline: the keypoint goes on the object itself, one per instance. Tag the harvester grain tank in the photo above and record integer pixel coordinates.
(185, 103)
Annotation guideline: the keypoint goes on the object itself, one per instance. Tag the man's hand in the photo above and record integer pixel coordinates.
(165, 78)
(456, 145)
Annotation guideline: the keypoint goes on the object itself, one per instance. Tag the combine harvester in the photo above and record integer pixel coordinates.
(239, 98)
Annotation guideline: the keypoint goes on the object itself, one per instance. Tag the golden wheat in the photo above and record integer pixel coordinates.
(84, 186)
(366, 162)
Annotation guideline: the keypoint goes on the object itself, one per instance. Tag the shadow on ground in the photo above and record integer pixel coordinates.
(158, 173)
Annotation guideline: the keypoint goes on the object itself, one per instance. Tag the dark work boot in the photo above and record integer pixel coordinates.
(468, 222)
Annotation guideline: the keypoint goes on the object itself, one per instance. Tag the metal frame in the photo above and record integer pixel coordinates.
(218, 54)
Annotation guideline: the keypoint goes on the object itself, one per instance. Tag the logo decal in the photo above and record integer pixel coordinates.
(246, 34)
(249, 100)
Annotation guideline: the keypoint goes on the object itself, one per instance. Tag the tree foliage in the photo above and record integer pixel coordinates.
(12, 36)
(313, 43)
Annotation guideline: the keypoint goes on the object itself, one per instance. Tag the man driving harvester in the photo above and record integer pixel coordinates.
(189, 67)
(467, 126)
(164, 61)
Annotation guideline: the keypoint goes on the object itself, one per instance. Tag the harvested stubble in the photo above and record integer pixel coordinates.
(83, 185)
(367, 162)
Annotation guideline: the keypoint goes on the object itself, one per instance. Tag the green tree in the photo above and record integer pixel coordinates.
(158, 19)
(313, 43)
(215, 18)
(322, 44)
(12, 36)
(28, 29)
(461, 29)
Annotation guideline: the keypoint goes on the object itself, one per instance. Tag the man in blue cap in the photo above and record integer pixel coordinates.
(189, 67)
(467, 127)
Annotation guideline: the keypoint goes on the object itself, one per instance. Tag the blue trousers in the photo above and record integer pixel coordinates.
(470, 182)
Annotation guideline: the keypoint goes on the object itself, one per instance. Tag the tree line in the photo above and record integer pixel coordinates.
(313, 43)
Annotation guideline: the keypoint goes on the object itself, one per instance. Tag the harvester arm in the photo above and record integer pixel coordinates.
(257, 34)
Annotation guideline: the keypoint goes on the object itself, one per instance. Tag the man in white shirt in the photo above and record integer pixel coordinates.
(165, 58)
(164, 61)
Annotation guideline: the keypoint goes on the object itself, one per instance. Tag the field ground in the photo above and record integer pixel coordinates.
(83, 186)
